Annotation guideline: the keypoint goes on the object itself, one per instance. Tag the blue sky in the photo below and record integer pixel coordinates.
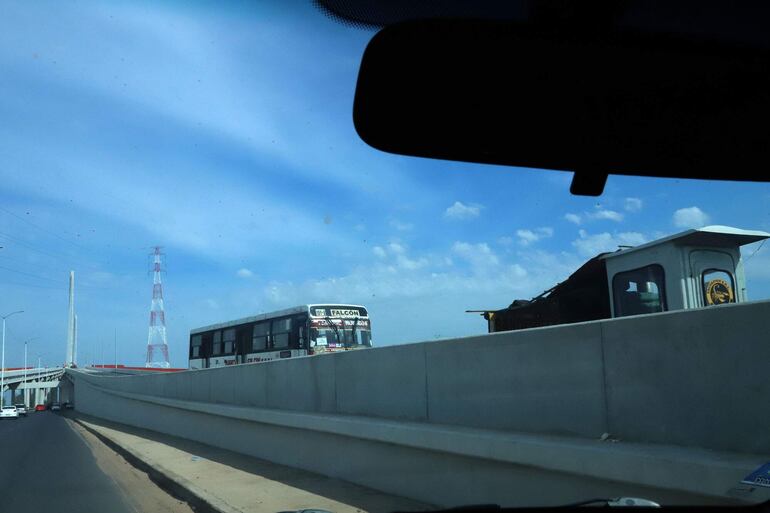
(224, 134)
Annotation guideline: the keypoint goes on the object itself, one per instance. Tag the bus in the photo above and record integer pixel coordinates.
(299, 331)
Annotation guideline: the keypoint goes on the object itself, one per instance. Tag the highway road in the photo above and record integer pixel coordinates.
(46, 466)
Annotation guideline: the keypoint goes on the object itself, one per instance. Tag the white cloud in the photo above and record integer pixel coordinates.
(691, 217)
(527, 237)
(441, 292)
(505, 240)
(598, 214)
(633, 204)
(410, 264)
(398, 258)
(462, 211)
(591, 245)
(573, 218)
(610, 215)
(401, 226)
(480, 256)
(244, 273)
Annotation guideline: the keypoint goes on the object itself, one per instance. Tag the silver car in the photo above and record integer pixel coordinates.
(22, 409)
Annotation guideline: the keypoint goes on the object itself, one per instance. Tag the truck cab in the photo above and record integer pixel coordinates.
(693, 269)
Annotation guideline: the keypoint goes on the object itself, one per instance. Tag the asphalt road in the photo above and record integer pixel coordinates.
(46, 466)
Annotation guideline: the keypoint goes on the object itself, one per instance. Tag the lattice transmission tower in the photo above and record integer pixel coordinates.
(157, 348)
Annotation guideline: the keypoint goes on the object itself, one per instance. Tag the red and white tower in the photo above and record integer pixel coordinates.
(157, 349)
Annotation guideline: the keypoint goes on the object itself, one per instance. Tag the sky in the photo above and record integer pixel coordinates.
(224, 134)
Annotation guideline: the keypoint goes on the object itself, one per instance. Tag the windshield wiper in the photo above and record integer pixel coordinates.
(618, 501)
(353, 334)
(614, 502)
(334, 328)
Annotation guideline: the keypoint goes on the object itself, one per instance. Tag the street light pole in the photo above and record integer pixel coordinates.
(26, 390)
(25, 376)
(2, 363)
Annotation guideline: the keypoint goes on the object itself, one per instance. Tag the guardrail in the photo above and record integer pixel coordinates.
(511, 418)
(16, 375)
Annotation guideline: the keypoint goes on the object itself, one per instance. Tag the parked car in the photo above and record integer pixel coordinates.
(22, 409)
(9, 412)
(55, 407)
(40, 407)
(68, 405)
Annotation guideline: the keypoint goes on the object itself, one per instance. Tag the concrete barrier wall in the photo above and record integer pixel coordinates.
(438, 464)
(509, 417)
(694, 378)
(697, 378)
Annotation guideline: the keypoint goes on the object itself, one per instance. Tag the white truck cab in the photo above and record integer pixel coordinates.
(693, 269)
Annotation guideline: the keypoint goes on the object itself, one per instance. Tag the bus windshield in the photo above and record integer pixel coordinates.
(341, 333)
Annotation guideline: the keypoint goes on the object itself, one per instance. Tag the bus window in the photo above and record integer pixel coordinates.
(259, 338)
(206, 339)
(718, 287)
(243, 336)
(216, 347)
(639, 291)
(298, 338)
(280, 332)
(363, 338)
(195, 346)
(229, 341)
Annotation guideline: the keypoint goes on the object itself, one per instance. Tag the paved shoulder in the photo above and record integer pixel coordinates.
(229, 482)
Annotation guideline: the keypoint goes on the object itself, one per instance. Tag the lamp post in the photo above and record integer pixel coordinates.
(2, 363)
(39, 366)
(26, 390)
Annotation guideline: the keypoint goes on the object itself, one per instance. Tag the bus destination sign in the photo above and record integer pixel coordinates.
(338, 312)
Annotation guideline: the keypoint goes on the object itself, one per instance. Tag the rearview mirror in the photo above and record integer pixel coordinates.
(618, 103)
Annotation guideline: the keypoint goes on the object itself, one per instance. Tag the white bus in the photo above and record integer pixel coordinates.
(299, 331)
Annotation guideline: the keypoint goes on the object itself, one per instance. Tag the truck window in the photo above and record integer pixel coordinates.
(718, 287)
(640, 291)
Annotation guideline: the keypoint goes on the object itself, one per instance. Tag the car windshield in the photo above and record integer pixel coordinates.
(183, 183)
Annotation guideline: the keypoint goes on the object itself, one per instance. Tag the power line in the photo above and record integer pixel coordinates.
(32, 285)
(46, 253)
(42, 229)
(25, 262)
(86, 286)
(29, 246)
(29, 274)
(755, 251)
